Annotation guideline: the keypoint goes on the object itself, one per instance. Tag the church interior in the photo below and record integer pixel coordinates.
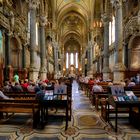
(50, 39)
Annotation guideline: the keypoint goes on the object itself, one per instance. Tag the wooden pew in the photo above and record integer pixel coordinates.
(15, 92)
(21, 106)
(104, 110)
(95, 97)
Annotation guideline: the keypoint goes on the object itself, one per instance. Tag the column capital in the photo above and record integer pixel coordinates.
(117, 3)
(105, 18)
(9, 34)
(33, 4)
(43, 20)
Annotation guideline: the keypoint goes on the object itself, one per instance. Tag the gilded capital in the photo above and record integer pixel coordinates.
(43, 20)
(33, 4)
(105, 18)
(116, 3)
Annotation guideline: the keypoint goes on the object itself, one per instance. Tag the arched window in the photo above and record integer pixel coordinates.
(71, 59)
(37, 34)
(28, 28)
(67, 60)
(76, 59)
(112, 31)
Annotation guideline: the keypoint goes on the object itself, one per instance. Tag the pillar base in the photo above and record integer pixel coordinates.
(118, 72)
(9, 73)
(33, 74)
(25, 71)
(43, 76)
(90, 74)
(106, 74)
(43, 73)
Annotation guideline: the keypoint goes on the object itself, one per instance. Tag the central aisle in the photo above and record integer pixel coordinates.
(86, 124)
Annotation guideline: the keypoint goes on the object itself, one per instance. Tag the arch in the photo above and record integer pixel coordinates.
(16, 53)
(134, 52)
(69, 13)
(72, 7)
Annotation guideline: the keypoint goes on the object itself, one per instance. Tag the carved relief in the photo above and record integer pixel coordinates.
(116, 3)
(9, 2)
(106, 18)
(43, 20)
(131, 27)
(33, 4)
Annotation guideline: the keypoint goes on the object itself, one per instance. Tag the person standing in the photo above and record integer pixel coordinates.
(16, 78)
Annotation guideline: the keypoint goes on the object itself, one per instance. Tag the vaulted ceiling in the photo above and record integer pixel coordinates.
(73, 20)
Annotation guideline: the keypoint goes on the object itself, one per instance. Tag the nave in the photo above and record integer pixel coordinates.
(86, 124)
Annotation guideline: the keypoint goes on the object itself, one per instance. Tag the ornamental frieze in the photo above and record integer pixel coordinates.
(4, 21)
(9, 2)
(131, 27)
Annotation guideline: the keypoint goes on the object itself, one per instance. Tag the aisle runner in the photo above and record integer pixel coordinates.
(86, 124)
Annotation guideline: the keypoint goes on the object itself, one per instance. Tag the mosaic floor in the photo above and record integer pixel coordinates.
(86, 124)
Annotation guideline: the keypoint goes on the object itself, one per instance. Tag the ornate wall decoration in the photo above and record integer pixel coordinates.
(131, 27)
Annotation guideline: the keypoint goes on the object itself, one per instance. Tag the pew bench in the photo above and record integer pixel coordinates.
(21, 106)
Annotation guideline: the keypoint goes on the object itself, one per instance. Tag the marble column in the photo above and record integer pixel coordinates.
(62, 64)
(9, 69)
(56, 59)
(43, 67)
(106, 69)
(83, 65)
(88, 58)
(119, 68)
(91, 54)
(25, 72)
(33, 71)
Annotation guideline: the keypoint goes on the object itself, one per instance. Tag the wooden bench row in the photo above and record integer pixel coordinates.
(20, 105)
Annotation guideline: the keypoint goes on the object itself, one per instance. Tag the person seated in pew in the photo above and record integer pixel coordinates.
(7, 87)
(131, 83)
(97, 88)
(60, 87)
(91, 83)
(2, 96)
(18, 88)
(25, 84)
(31, 86)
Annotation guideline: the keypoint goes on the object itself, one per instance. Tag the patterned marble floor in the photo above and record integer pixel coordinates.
(86, 124)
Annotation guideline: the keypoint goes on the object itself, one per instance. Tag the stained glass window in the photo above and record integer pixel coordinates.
(36, 33)
(71, 59)
(112, 31)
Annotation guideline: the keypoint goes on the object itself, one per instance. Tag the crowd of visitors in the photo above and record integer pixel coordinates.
(39, 87)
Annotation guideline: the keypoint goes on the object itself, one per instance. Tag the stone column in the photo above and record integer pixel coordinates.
(91, 54)
(88, 58)
(43, 68)
(106, 69)
(63, 64)
(90, 73)
(55, 59)
(8, 69)
(33, 71)
(119, 67)
(83, 65)
(25, 72)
